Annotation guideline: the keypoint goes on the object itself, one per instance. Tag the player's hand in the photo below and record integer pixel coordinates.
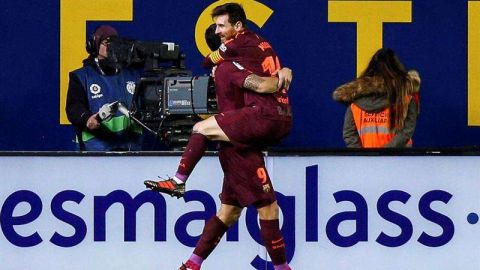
(285, 77)
(92, 122)
(213, 71)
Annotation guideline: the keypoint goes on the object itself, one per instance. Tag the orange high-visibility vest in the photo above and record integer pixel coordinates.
(373, 128)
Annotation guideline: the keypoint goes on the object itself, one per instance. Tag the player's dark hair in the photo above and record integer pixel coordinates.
(385, 64)
(235, 13)
(213, 40)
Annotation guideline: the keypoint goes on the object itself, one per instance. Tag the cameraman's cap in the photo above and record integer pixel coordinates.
(103, 32)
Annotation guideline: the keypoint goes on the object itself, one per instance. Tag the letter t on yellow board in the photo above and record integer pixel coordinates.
(369, 17)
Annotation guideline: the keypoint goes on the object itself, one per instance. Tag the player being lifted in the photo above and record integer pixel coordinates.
(255, 112)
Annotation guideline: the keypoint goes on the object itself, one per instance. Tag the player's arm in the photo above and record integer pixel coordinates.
(214, 58)
(227, 51)
(261, 84)
(269, 84)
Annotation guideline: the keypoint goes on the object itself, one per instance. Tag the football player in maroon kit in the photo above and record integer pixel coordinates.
(255, 112)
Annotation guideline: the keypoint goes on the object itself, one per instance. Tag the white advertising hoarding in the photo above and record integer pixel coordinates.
(338, 212)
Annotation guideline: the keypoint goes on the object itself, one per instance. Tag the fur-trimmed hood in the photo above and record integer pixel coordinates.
(369, 93)
(362, 87)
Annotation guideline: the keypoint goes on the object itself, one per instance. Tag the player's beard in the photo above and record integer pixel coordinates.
(224, 37)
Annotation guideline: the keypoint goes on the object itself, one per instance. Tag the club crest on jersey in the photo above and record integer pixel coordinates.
(95, 89)
(266, 188)
(223, 48)
(130, 87)
(238, 65)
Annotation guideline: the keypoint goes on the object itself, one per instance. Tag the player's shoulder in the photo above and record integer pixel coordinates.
(248, 36)
(244, 38)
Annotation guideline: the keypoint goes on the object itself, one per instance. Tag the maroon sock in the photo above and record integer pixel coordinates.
(196, 147)
(211, 235)
(273, 240)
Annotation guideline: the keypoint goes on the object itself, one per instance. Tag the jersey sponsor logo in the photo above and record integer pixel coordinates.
(95, 89)
(284, 111)
(240, 67)
(283, 100)
(130, 87)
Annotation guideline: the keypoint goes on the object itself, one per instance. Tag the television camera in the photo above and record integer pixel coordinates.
(168, 100)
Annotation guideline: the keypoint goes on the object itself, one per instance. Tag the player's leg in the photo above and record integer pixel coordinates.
(250, 126)
(203, 131)
(251, 185)
(210, 129)
(213, 231)
(272, 236)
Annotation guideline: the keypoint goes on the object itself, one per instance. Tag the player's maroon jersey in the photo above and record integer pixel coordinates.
(250, 52)
(249, 119)
(229, 95)
(246, 125)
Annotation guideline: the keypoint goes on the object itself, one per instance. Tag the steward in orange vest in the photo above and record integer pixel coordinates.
(367, 118)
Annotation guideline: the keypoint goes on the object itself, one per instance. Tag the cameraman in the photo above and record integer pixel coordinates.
(97, 83)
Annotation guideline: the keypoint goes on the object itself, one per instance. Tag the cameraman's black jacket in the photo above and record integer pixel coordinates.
(77, 107)
(88, 90)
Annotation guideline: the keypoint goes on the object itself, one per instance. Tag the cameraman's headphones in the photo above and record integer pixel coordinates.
(90, 45)
(101, 32)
